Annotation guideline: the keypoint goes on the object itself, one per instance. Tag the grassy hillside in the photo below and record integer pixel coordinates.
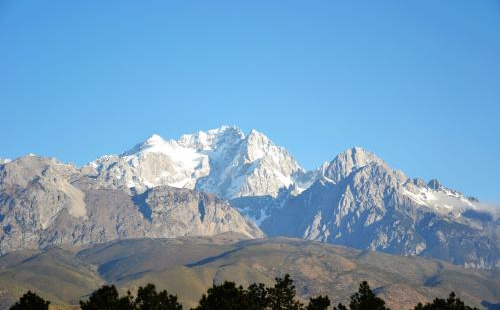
(55, 274)
(188, 266)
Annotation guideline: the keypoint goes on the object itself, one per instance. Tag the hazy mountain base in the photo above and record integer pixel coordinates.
(188, 266)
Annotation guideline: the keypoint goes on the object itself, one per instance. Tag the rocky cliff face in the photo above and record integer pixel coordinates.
(222, 161)
(44, 202)
(361, 202)
(157, 189)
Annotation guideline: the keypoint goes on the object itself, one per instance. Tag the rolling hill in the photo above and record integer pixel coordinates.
(187, 266)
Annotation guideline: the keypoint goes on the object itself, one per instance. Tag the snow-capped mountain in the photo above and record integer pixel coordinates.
(361, 202)
(222, 161)
(157, 189)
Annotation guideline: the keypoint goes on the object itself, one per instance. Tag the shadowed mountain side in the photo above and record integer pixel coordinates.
(44, 203)
(126, 259)
(153, 191)
(188, 266)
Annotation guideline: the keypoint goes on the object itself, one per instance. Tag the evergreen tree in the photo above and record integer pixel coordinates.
(452, 303)
(318, 303)
(149, 299)
(256, 297)
(365, 299)
(106, 298)
(282, 295)
(31, 301)
(340, 307)
(225, 296)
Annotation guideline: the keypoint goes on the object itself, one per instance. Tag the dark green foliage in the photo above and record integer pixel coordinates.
(149, 299)
(256, 297)
(225, 296)
(31, 301)
(318, 303)
(106, 298)
(228, 296)
(365, 299)
(452, 303)
(340, 307)
(282, 295)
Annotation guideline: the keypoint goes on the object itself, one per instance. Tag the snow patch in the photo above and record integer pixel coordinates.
(221, 161)
(444, 201)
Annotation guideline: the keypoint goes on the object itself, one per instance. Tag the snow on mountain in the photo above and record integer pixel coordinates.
(363, 203)
(356, 200)
(250, 170)
(431, 195)
(439, 198)
(222, 161)
(152, 163)
(44, 202)
(252, 166)
(4, 160)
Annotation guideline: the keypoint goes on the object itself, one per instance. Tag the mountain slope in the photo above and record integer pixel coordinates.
(44, 202)
(55, 274)
(356, 200)
(188, 266)
(361, 202)
(222, 161)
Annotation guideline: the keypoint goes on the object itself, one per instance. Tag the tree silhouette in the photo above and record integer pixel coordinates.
(149, 299)
(228, 296)
(340, 307)
(256, 297)
(364, 299)
(31, 301)
(106, 298)
(225, 296)
(282, 295)
(452, 303)
(318, 303)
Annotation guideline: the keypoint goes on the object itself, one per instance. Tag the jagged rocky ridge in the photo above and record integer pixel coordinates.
(356, 200)
(44, 202)
(222, 161)
(361, 202)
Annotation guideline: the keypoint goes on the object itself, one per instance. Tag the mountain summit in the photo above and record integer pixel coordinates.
(167, 188)
(44, 202)
(348, 161)
(361, 202)
(222, 161)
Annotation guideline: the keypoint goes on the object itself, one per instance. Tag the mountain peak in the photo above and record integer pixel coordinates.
(154, 139)
(358, 157)
(434, 184)
(349, 160)
(255, 132)
(154, 143)
(224, 128)
(213, 138)
(257, 138)
(201, 140)
(357, 152)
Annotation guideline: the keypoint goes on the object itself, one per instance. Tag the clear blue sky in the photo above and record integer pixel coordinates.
(417, 82)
